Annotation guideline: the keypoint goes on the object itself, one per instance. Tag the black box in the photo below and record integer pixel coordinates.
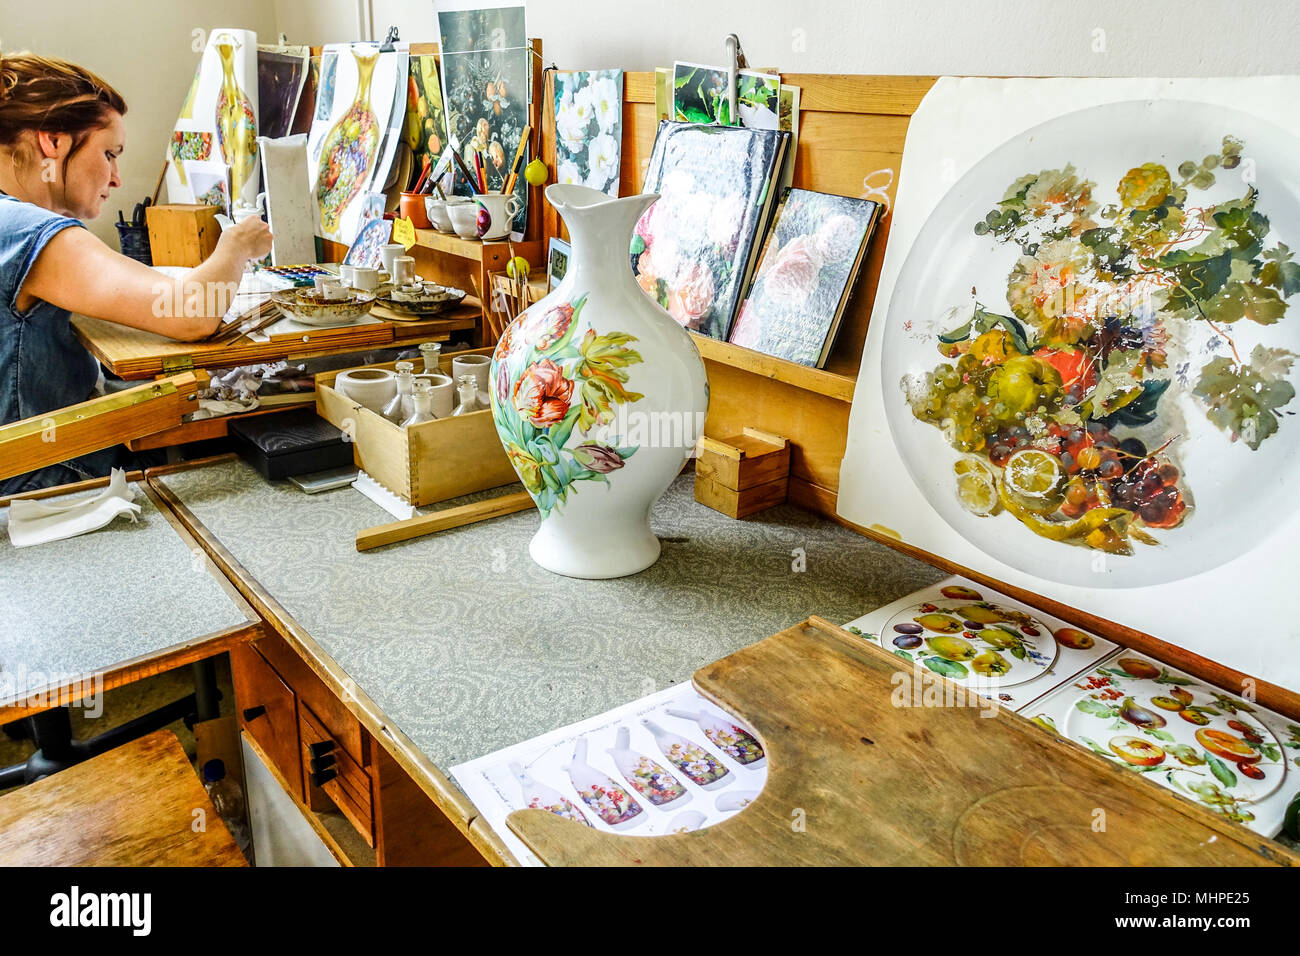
(298, 442)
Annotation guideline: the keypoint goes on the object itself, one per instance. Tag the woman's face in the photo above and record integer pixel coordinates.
(92, 170)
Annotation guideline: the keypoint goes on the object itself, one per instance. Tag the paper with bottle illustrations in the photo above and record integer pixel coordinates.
(670, 762)
(809, 264)
(1211, 746)
(693, 250)
(982, 640)
(1078, 375)
(486, 77)
(350, 147)
(589, 129)
(218, 120)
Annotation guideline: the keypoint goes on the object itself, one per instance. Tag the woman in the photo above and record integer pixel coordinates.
(61, 133)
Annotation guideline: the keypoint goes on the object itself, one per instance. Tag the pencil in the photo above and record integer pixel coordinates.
(509, 187)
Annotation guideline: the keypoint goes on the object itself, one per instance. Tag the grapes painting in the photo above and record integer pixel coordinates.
(1134, 303)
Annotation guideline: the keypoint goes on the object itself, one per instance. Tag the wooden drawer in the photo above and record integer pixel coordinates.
(349, 787)
(340, 723)
(267, 711)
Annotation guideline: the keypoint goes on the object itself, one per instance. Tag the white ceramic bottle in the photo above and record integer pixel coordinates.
(399, 409)
(538, 796)
(734, 741)
(467, 389)
(700, 767)
(603, 796)
(599, 396)
(646, 776)
(422, 402)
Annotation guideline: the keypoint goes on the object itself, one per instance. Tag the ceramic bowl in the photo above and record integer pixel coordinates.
(372, 387)
(464, 219)
(430, 300)
(303, 305)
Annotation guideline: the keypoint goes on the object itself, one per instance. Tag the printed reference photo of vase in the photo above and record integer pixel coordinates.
(603, 796)
(598, 396)
(538, 796)
(734, 741)
(348, 150)
(700, 767)
(236, 122)
(648, 778)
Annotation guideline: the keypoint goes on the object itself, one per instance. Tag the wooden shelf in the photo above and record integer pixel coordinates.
(820, 381)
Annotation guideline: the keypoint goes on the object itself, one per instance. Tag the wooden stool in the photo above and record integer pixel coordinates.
(132, 806)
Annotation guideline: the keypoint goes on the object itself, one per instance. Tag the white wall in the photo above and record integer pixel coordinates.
(143, 49)
(974, 37)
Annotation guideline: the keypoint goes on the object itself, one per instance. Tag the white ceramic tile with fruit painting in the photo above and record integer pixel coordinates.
(983, 640)
(1214, 748)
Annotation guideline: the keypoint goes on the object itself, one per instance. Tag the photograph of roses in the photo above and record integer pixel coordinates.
(693, 250)
(805, 276)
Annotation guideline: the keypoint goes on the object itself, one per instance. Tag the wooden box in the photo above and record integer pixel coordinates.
(744, 473)
(429, 462)
(182, 234)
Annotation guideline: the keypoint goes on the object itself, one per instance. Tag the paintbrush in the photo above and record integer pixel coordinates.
(517, 163)
(465, 171)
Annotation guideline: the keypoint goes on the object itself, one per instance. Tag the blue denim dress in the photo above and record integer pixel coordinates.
(42, 365)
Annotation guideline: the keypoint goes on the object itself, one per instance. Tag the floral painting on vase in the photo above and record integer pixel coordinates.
(555, 377)
(693, 249)
(589, 128)
(805, 276)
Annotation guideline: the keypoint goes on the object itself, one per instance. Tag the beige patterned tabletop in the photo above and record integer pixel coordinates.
(467, 646)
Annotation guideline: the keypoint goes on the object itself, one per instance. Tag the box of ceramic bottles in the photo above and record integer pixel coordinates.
(425, 463)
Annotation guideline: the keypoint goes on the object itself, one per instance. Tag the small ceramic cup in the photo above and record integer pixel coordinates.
(411, 206)
(330, 289)
(403, 270)
(389, 252)
(345, 273)
(477, 366)
(365, 278)
(464, 218)
(372, 387)
(436, 209)
(443, 391)
(502, 211)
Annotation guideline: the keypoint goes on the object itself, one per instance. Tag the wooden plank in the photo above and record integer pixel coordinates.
(131, 806)
(444, 520)
(822, 382)
(206, 429)
(883, 784)
(410, 830)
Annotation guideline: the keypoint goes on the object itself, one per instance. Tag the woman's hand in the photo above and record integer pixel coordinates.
(251, 239)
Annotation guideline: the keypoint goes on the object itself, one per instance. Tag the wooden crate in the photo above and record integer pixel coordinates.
(182, 234)
(743, 473)
(425, 463)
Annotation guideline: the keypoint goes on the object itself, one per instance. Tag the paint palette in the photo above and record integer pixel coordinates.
(982, 640)
(301, 276)
(1211, 747)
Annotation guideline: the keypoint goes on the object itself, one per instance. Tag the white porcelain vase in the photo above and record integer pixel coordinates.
(599, 397)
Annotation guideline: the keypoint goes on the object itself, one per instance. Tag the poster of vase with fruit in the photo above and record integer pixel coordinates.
(218, 120)
(668, 763)
(344, 156)
(1080, 364)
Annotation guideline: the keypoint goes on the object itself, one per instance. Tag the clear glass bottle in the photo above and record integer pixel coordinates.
(733, 740)
(538, 796)
(700, 767)
(422, 399)
(228, 800)
(614, 805)
(400, 406)
(467, 386)
(646, 776)
(431, 352)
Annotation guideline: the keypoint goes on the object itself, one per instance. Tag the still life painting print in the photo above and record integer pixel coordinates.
(426, 123)
(1089, 350)
(806, 273)
(589, 129)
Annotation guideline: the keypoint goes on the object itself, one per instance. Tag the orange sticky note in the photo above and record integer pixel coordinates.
(404, 232)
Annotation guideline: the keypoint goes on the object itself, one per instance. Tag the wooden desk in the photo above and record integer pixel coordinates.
(94, 612)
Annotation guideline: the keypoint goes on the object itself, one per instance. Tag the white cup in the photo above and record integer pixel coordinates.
(436, 210)
(345, 273)
(476, 365)
(464, 218)
(403, 271)
(502, 210)
(390, 252)
(443, 392)
(365, 278)
(371, 387)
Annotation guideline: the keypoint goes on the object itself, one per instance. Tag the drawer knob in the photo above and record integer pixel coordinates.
(321, 777)
(320, 763)
(252, 713)
(320, 748)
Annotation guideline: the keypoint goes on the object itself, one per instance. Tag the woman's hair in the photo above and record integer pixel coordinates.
(46, 94)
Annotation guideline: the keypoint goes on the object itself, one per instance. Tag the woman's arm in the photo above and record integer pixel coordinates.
(77, 272)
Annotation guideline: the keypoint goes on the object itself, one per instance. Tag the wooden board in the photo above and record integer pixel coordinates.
(854, 780)
(132, 806)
